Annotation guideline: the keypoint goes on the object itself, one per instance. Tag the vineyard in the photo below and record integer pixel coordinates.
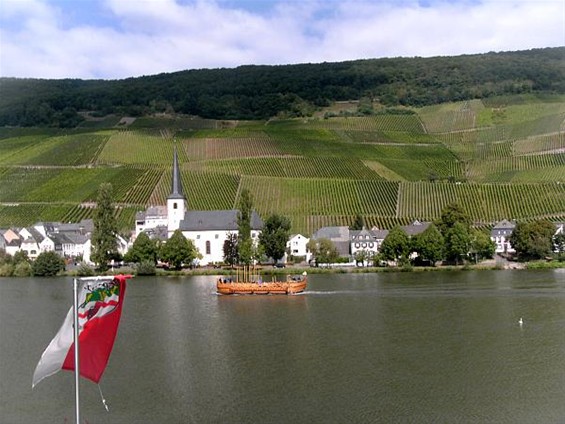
(498, 158)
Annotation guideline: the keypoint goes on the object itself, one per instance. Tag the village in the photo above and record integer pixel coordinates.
(209, 230)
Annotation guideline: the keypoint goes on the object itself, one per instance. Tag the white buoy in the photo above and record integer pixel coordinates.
(521, 321)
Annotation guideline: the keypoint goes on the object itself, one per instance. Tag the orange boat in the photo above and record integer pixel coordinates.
(292, 285)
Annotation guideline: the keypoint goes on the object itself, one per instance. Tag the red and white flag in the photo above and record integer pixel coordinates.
(99, 310)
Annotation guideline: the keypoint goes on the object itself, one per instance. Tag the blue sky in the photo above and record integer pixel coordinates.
(123, 38)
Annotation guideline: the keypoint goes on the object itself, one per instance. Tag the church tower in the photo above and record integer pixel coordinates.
(176, 202)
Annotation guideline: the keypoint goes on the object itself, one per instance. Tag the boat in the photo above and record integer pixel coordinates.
(291, 285)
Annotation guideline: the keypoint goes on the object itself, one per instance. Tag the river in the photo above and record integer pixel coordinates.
(431, 347)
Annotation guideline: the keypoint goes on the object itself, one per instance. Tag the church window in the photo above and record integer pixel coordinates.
(174, 205)
(208, 249)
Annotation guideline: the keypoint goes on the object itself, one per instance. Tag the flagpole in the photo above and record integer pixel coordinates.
(77, 356)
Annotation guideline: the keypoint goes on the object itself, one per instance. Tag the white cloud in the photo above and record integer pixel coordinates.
(151, 36)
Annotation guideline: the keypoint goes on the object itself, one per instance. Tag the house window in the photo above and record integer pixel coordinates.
(217, 236)
(175, 205)
(198, 237)
(208, 249)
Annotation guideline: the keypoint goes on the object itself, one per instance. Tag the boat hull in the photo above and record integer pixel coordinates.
(273, 287)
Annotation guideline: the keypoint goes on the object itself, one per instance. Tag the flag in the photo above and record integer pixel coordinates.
(99, 309)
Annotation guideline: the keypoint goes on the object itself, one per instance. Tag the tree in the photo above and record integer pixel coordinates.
(323, 250)
(452, 214)
(274, 237)
(178, 250)
(230, 249)
(362, 256)
(559, 243)
(5, 258)
(48, 264)
(20, 256)
(396, 245)
(457, 242)
(143, 250)
(246, 251)
(533, 240)
(244, 214)
(430, 244)
(482, 247)
(245, 244)
(104, 235)
(327, 251)
(358, 224)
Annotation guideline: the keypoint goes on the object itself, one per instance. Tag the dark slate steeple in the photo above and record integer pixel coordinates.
(176, 186)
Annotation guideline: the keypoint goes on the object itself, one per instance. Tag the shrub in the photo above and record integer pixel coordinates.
(48, 264)
(22, 269)
(6, 270)
(84, 270)
(145, 268)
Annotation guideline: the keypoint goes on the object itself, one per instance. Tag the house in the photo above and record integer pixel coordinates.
(297, 246)
(150, 219)
(71, 240)
(366, 240)
(31, 242)
(12, 241)
(339, 236)
(500, 235)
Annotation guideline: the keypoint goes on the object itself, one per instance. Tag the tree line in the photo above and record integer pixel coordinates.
(451, 240)
(260, 92)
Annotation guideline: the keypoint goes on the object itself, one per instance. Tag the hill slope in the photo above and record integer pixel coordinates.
(503, 157)
(261, 92)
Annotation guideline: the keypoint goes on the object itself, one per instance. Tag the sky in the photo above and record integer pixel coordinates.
(115, 39)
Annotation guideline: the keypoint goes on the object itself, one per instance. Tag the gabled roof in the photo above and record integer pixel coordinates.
(504, 225)
(152, 212)
(373, 234)
(216, 221)
(332, 233)
(37, 236)
(160, 232)
(84, 226)
(416, 227)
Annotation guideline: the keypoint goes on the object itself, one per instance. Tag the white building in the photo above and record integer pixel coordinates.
(297, 246)
(208, 230)
(366, 240)
(150, 219)
(500, 235)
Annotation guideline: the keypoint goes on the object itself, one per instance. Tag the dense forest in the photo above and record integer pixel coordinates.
(260, 92)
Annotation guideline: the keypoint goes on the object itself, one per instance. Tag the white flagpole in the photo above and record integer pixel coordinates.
(77, 356)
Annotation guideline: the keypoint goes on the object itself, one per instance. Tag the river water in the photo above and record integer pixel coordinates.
(432, 347)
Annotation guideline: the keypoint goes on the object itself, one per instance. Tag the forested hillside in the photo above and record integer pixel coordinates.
(261, 92)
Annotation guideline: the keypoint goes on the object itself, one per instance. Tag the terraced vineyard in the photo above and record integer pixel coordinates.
(501, 158)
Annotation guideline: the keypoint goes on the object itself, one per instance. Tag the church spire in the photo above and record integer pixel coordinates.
(176, 202)
(176, 186)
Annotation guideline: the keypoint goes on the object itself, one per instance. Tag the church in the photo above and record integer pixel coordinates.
(208, 230)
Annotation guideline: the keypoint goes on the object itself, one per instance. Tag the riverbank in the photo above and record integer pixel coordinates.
(298, 269)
